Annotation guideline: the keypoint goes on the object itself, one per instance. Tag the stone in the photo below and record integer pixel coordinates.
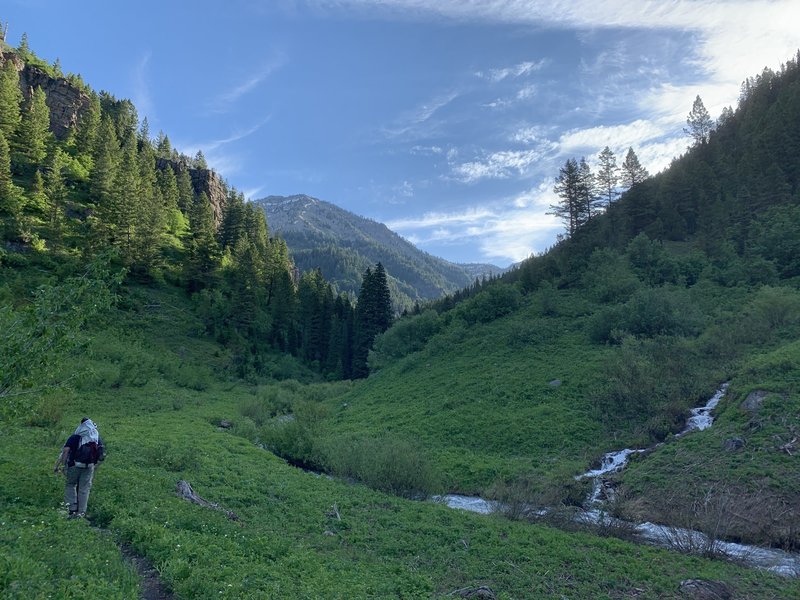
(65, 100)
(554, 383)
(203, 180)
(482, 593)
(705, 589)
(733, 444)
(225, 424)
(754, 400)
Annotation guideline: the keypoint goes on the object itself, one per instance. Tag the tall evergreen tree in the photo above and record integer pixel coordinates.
(204, 253)
(88, 131)
(632, 170)
(185, 190)
(608, 175)
(33, 133)
(373, 315)
(10, 194)
(55, 190)
(699, 122)
(10, 100)
(568, 188)
(590, 201)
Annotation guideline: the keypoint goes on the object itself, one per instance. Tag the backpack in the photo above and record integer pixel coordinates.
(90, 453)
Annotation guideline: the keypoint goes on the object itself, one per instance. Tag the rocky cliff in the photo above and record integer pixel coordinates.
(65, 100)
(203, 180)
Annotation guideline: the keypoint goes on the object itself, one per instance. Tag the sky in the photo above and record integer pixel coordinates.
(445, 119)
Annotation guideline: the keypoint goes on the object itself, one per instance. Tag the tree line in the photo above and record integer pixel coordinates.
(109, 185)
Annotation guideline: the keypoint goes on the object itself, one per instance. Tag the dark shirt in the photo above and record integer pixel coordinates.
(73, 443)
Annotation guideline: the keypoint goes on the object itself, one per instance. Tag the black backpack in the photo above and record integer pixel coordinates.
(90, 453)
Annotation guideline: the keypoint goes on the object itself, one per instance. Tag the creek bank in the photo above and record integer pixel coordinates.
(780, 562)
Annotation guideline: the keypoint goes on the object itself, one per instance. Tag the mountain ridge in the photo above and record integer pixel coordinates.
(320, 234)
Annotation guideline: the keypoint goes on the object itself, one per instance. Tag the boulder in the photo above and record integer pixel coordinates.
(705, 589)
(733, 444)
(754, 400)
(554, 383)
(481, 593)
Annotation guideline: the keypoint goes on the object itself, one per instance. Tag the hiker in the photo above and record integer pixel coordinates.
(81, 452)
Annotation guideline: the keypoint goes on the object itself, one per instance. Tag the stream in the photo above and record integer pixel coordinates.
(782, 563)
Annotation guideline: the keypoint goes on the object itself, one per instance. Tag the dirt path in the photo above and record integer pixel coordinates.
(151, 587)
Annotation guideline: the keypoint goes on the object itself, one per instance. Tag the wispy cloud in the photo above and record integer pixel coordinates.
(225, 162)
(617, 136)
(142, 97)
(506, 231)
(518, 70)
(224, 101)
(502, 164)
(415, 123)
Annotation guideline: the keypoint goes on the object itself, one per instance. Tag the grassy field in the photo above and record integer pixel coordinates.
(158, 391)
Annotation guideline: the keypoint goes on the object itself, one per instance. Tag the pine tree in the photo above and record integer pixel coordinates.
(149, 210)
(10, 194)
(55, 190)
(373, 315)
(568, 188)
(88, 131)
(204, 253)
(33, 133)
(121, 211)
(10, 100)
(632, 170)
(106, 160)
(589, 198)
(185, 190)
(233, 220)
(699, 122)
(200, 160)
(608, 175)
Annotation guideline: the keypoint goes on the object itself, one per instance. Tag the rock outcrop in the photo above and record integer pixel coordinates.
(203, 180)
(65, 100)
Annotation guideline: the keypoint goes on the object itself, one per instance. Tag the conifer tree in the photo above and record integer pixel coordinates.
(200, 160)
(10, 100)
(149, 210)
(699, 122)
(589, 199)
(568, 188)
(204, 253)
(233, 220)
(373, 315)
(10, 194)
(608, 175)
(37, 197)
(33, 133)
(55, 190)
(632, 170)
(88, 131)
(121, 211)
(185, 190)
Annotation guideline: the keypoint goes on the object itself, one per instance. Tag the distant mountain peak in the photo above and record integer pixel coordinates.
(322, 235)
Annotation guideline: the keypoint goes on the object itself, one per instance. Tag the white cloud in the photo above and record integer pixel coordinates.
(615, 137)
(508, 231)
(142, 97)
(519, 70)
(415, 123)
(225, 163)
(502, 164)
(224, 101)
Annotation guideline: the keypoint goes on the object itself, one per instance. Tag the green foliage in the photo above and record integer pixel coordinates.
(38, 335)
(649, 313)
(494, 302)
(407, 335)
(386, 463)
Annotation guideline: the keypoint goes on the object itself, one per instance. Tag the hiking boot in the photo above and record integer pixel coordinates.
(73, 514)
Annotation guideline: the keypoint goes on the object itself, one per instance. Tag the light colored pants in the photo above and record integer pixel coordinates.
(76, 490)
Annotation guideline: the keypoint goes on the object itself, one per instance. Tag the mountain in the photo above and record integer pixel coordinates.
(343, 245)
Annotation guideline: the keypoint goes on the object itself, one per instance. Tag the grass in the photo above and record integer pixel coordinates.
(300, 535)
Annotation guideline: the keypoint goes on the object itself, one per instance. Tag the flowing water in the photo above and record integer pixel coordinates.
(776, 561)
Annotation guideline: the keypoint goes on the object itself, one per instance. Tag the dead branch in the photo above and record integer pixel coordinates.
(184, 490)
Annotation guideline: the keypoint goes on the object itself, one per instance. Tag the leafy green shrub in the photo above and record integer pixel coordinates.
(649, 313)
(608, 277)
(170, 457)
(774, 307)
(391, 464)
(494, 302)
(407, 335)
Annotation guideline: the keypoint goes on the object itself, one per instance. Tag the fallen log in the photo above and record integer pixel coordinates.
(184, 490)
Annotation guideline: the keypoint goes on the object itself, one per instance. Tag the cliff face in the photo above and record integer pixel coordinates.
(203, 180)
(64, 100)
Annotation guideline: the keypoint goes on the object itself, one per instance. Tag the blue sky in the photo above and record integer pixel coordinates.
(447, 120)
